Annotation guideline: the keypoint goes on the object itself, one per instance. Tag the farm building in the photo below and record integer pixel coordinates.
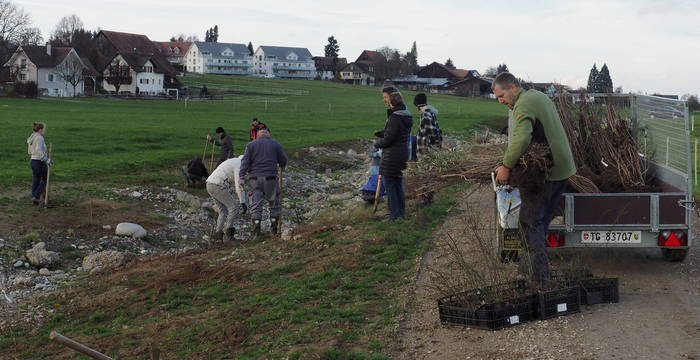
(358, 74)
(136, 50)
(472, 86)
(55, 70)
(175, 52)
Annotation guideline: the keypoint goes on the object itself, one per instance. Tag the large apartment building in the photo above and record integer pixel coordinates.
(284, 62)
(219, 58)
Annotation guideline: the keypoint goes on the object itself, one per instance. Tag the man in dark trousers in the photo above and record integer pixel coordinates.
(259, 168)
(536, 120)
(255, 127)
(226, 144)
(429, 133)
(393, 141)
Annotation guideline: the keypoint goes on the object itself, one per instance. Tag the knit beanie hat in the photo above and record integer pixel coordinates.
(219, 130)
(420, 100)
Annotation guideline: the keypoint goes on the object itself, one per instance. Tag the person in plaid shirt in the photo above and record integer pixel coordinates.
(429, 133)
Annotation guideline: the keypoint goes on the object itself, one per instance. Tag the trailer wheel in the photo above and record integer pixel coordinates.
(674, 255)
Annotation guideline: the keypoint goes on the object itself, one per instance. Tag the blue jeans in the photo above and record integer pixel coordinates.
(395, 194)
(536, 213)
(39, 171)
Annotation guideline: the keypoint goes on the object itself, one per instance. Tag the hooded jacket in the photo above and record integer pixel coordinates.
(36, 147)
(429, 133)
(394, 143)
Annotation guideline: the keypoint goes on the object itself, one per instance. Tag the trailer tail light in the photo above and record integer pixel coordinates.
(556, 239)
(673, 238)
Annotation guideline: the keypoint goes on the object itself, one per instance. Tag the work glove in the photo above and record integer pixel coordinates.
(49, 162)
(379, 134)
(208, 137)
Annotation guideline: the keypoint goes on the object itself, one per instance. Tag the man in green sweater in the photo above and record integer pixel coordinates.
(536, 120)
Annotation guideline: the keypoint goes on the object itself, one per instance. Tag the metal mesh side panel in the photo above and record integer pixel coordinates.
(662, 131)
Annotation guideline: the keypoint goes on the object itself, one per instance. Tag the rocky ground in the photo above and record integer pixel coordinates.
(33, 263)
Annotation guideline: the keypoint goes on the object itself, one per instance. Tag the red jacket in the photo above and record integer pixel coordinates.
(254, 130)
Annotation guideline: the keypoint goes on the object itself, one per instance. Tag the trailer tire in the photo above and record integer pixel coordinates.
(674, 255)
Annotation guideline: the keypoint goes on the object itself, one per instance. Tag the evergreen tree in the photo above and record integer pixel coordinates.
(215, 34)
(250, 48)
(593, 80)
(449, 64)
(332, 48)
(412, 59)
(605, 84)
(501, 69)
(207, 37)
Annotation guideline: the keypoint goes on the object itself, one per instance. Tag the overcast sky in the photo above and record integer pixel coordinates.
(649, 46)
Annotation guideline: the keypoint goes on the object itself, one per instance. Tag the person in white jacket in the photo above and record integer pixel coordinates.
(219, 186)
(36, 148)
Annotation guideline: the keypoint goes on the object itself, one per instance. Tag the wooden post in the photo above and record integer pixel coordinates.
(376, 194)
(206, 145)
(48, 176)
(695, 167)
(668, 139)
(265, 104)
(280, 180)
(77, 346)
(329, 107)
(692, 123)
(211, 162)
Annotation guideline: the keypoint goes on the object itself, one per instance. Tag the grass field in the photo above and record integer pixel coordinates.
(113, 139)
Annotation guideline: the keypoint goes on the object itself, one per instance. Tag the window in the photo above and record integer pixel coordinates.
(49, 77)
(23, 77)
(23, 64)
(148, 69)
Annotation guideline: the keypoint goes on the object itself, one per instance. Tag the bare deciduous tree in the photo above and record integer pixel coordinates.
(71, 71)
(66, 28)
(15, 29)
(118, 74)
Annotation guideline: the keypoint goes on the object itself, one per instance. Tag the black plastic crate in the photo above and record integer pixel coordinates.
(558, 302)
(594, 290)
(599, 290)
(516, 306)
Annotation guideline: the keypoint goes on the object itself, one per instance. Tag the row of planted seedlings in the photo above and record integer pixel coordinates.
(475, 289)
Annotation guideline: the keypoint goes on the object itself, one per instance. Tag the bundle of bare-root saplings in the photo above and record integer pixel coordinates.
(602, 141)
(604, 147)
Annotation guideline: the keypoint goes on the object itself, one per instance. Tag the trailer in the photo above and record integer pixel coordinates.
(662, 219)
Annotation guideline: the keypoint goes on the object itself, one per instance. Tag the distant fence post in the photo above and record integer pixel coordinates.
(265, 104)
(692, 123)
(329, 107)
(668, 139)
(295, 107)
(459, 112)
(695, 166)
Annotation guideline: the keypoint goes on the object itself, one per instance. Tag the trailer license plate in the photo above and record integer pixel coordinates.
(611, 237)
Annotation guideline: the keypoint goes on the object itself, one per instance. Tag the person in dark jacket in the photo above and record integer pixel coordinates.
(255, 127)
(259, 168)
(226, 144)
(429, 133)
(195, 171)
(394, 144)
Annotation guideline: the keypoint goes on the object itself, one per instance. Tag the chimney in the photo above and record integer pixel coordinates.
(48, 49)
